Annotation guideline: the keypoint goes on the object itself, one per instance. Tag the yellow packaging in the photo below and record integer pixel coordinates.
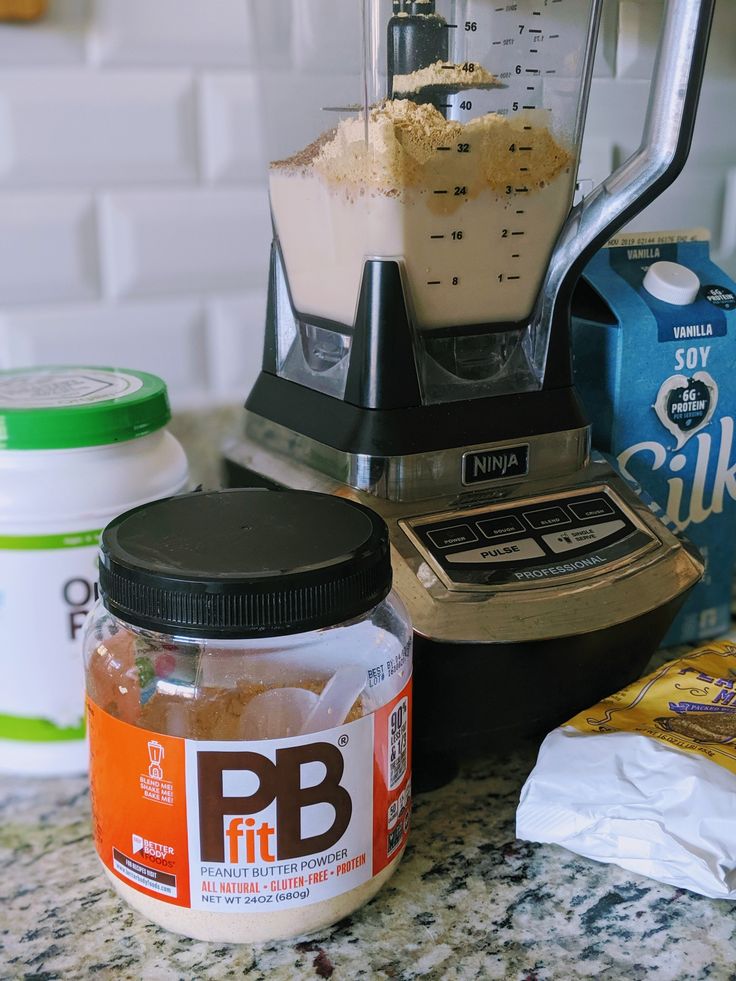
(689, 703)
(22, 9)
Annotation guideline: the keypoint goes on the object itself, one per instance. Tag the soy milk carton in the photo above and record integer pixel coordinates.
(654, 341)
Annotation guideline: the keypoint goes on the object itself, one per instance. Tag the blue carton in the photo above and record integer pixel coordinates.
(656, 368)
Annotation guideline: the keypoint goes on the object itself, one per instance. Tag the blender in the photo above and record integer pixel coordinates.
(417, 347)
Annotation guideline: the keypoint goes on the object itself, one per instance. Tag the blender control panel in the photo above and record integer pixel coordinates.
(534, 542)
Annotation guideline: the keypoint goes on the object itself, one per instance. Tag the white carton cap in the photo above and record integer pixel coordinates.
(671, 282)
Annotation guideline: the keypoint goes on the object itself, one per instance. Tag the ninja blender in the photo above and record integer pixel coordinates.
(417, 348)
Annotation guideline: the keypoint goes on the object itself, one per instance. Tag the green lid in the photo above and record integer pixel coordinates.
(62, 408)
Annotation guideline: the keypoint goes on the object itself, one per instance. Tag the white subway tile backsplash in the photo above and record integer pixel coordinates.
(596, 163)
(235, 344)
(68, 128)
(327, 36)
(58, 40)
(166, 338)
(726, 248)
(616, 111)
(638, 37)
(135, 136)
(273, 27)
(48, 246)
(605, 56)
(694, 200)
(172, 32)
(185, 241)
(297, 109)
(721, 59)
(233, 144)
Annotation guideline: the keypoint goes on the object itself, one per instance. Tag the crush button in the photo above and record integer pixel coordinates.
(672, 283)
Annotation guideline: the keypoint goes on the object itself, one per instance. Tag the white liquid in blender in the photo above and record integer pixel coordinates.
(472, 211)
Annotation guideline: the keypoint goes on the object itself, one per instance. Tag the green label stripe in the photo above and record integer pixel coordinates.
(30, 543)
(38, 730)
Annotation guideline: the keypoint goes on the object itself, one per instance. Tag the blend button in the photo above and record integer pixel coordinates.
(501, 526)
(599, 507)
(455, 535)
(566, 541)
(547, 518)
(517, 551)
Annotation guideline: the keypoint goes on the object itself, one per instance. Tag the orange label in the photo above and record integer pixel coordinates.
(259, 825)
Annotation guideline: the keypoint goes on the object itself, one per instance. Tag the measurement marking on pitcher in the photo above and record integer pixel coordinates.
(436, 236)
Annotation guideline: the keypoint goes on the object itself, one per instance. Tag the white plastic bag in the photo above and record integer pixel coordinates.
(646, 779)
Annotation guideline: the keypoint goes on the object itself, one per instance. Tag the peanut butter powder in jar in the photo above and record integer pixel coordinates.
(249, 696)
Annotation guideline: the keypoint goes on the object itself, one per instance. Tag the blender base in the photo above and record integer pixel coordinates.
(545, 684)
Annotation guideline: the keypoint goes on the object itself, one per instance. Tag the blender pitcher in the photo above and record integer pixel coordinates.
(453, 151)
(431, 193)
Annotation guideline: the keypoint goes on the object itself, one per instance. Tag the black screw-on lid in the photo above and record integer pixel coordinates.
(244, 563)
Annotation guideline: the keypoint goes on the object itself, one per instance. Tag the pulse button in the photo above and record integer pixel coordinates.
(517, 550)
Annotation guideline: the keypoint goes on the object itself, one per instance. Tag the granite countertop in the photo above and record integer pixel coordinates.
(468, 901)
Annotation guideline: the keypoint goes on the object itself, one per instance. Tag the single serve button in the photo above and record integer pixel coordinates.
(455, 535)
(517, 551)
(566, 541)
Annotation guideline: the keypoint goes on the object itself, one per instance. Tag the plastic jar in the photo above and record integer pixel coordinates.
(77, 447)
(249, 697)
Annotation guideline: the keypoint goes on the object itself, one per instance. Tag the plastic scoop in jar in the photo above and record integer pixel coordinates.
(337, 698)
(276, 713)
